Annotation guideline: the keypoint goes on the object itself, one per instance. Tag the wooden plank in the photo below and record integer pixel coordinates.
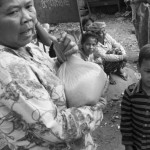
(57, 11)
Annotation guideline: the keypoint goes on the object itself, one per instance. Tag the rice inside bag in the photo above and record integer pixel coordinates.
(85, 82)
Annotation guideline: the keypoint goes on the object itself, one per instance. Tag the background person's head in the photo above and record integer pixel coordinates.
(144, 65)
(17, 21)
(89, 42)
(98, 28)
(86, 22)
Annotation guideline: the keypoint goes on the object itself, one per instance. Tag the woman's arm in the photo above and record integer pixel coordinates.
(38, 112)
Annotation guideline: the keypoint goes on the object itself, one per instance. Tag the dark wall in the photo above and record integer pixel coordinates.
(57, 11)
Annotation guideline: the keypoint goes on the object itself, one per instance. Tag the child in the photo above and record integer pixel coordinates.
(86, 22)
(135, 108)
(87, 48)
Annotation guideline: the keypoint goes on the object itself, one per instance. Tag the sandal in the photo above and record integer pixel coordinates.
(111, 80)
(123, 75)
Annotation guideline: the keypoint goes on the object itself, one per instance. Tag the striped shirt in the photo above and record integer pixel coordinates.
(135, 117)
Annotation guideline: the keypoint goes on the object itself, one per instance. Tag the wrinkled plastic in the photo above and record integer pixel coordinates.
(85, 82)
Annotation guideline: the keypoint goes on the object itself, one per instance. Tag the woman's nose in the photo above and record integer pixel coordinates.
(26, 17)
(91, 46)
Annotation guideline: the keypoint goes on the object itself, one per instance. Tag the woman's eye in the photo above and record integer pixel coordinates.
(13, 12)
(29, 6)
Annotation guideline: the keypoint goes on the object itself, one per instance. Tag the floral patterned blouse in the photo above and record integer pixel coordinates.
(33, 112)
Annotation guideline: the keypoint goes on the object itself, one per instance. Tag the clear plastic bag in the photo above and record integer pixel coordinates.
(85, 82)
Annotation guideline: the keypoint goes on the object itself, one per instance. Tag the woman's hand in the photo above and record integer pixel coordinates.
(64, 47)
(65, 44)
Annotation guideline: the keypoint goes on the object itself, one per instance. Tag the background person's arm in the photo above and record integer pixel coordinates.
(115, 44)
(100, 52)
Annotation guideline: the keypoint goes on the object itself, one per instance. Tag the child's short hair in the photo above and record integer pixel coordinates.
(85, 20)
(144, 54)
(87, 35)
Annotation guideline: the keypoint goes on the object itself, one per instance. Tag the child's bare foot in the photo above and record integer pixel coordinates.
(122, 74)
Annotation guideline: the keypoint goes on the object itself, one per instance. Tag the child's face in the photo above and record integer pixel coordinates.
(144, 70)
(87, 24)
(89, 45)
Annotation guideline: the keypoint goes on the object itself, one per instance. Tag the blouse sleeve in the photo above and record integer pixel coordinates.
(39, 113)
(100, 52)
(115, 44)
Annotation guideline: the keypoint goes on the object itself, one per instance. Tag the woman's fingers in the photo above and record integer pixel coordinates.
(53, 39)
(65, 44)
(71, 51)
(66, 41)
(71, 48)
(62, 37)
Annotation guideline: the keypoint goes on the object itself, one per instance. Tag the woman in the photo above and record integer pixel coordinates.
(33, 112)
(111, 52)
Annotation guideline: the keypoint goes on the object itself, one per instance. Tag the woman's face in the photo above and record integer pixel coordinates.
(89, 45)
(17, 21)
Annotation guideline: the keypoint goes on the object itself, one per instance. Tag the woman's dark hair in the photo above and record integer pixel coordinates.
(85, 20)
(144, 54)
(87, 35)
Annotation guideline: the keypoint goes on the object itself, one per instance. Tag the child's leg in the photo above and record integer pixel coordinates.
(120, 71)
(109, 68)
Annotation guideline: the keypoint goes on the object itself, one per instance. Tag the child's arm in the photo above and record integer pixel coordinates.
(126, 120)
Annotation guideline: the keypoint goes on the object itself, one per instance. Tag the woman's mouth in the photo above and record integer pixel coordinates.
(27, 33)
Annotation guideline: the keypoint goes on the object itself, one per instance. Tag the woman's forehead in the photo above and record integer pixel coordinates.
(13, 2)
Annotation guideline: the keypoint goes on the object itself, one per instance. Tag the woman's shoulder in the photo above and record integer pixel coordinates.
(7, 57)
